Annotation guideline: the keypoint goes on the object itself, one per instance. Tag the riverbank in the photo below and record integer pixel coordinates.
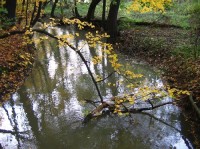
(15, 62)
(170, 50)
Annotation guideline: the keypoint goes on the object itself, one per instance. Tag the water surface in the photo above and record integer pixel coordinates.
(47, 111)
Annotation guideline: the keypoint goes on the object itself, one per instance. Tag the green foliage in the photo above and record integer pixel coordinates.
(181, 8)
(2, 17)
(195, 15)
(177, 14)
(125, 23)
(65, 9)
(83, 8)
(180, 20)
(195, 24)
(3, 11)
(5, 22)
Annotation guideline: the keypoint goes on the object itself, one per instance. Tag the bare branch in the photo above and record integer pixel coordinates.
(149, 101)
(110, 106)
(107, 77)
(150, 108)
(92, 102)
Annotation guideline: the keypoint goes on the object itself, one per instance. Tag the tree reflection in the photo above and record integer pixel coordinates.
(51, 101)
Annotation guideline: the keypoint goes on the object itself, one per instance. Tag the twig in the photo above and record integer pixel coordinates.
(126, 109)
(106, 77)
(148, 108)
(149, 101)
(92, 102)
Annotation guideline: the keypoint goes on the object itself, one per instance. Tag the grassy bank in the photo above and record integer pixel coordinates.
(178, 14)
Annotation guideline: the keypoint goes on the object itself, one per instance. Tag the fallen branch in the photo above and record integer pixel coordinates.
(111, 106)
(95, 112)
(194, 105)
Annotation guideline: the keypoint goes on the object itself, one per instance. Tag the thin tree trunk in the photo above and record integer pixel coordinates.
(37, 15)
(104, 14)
(11, 8)
(23, 5)
(33, 13)
(91, 10)
(53, 8)
(27, 13)
(111, 26)
(76, 10)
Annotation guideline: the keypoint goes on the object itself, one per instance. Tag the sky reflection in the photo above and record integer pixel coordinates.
(47, 110)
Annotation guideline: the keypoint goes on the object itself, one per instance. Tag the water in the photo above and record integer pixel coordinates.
(47, 111)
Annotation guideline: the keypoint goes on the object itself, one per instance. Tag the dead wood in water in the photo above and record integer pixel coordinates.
(110, 105)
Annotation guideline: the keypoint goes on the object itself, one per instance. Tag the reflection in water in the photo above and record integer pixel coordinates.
(47, 110)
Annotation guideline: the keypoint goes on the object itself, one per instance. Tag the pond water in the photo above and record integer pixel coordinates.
(47, 111)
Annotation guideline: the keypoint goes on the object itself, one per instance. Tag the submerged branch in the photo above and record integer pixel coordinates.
(95, 113)
(111, 106)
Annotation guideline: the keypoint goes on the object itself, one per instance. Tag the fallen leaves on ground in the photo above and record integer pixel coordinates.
(15, 61)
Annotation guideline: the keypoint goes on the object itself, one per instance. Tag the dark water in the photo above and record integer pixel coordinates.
(47, 111)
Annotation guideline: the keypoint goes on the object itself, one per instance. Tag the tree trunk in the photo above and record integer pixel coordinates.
(53, 8)
(91, 10)
(11, 8)
(37, 15)
(76, 10)
(111, 26)
(23, 5)
(104, 14)
(45, 4)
